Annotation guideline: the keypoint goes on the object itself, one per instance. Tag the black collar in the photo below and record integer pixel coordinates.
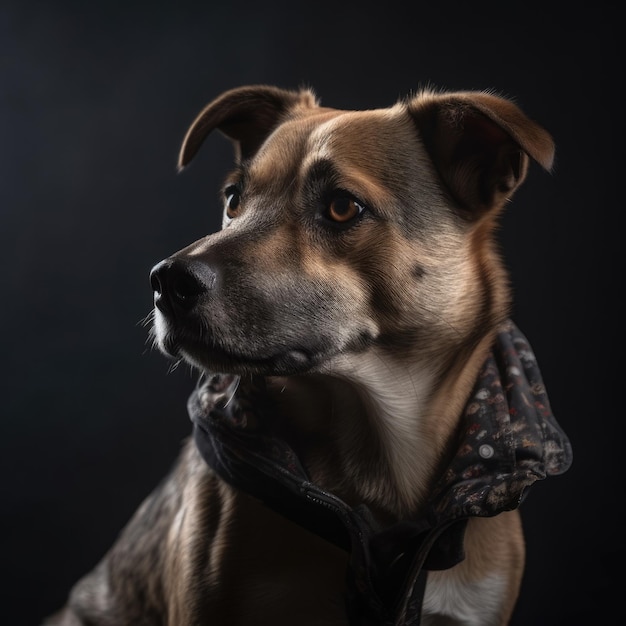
(509, 440)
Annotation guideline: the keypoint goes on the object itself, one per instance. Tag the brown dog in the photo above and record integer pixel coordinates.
(378, 419)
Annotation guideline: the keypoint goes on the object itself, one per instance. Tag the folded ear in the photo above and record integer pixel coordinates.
(480, 144)
(246, 115)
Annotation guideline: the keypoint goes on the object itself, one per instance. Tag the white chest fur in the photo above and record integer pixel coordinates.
(461, 603)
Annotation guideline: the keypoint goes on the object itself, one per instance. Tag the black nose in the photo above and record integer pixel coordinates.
(178, 284)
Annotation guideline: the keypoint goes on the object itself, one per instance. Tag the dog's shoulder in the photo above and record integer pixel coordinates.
(197, 549)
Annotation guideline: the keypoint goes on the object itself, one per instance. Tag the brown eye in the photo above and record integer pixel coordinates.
(233, 201)
(343, 209)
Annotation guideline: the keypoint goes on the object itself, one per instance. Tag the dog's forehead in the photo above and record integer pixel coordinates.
(371, 142)
(348, 134)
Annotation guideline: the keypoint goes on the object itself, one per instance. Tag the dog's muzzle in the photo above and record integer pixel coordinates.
(190, 322)
(226, 314)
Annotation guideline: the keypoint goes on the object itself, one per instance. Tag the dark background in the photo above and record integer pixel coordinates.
(94, 101)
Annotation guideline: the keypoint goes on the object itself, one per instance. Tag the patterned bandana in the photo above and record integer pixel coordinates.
(509, 439)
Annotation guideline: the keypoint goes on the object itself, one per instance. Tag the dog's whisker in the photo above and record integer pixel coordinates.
(234, 391)
(174, 366)
(152, 340)
(147, 320)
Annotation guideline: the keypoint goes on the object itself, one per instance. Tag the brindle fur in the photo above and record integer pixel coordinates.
(370, 336)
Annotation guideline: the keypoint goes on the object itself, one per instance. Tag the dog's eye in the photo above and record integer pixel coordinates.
(233, 201)
(342, 209)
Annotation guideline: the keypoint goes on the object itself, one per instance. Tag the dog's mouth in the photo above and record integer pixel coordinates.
(208, 355)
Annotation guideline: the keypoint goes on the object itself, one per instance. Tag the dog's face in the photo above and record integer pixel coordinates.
(345, 232)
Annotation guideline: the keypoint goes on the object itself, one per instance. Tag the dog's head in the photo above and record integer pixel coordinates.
(346, 232)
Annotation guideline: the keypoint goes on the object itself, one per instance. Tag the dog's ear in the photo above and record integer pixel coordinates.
(480, 144)
(246, 115)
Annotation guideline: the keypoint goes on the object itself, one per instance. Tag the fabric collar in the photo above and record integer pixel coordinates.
(509, 439)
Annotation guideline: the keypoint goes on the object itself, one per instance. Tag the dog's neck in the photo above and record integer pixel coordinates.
(377, 430)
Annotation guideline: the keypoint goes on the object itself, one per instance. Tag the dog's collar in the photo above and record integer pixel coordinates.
(509, 440)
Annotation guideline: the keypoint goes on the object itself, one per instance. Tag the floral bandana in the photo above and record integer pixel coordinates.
(509, 439)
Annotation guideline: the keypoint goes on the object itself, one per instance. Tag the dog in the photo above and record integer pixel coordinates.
(368, 419)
